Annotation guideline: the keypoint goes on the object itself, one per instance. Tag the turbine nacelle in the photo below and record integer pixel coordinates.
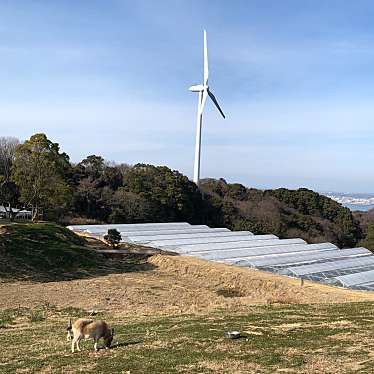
(198, 88)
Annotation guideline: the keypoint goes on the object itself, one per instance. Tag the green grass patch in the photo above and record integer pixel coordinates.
(45, 251)
(293, 339)
(6, 318)
(36, 315)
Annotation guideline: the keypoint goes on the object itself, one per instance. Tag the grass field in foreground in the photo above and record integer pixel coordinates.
(286, 338)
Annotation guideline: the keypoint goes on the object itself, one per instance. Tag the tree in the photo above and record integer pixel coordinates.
(87, 197)
(38, 171)
(128, 207)
(368, 242)
(9, 197)
(94, 182)
(285, 213)
(113, 237)
(9, 192)
(171, 196)
(92, 166)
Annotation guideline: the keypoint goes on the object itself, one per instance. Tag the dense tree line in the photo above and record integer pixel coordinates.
(287, 213)
(37, 175)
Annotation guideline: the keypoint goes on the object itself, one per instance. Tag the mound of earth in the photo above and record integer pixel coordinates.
(43, 251)
(250, 285)
(174, 285)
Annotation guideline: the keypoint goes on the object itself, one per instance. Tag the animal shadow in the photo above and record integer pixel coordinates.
(126, 344)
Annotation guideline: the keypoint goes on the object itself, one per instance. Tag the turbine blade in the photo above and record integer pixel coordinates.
(203, 101)
(206, 68)
(216, 103)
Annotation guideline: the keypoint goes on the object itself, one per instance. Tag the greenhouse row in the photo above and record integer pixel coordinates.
(321, 262)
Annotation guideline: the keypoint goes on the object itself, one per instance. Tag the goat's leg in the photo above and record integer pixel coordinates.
(95, 345)
(69, 336)
(78, 349)
(72, 345)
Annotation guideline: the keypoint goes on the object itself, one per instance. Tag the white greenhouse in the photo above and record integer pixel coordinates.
(322, 262)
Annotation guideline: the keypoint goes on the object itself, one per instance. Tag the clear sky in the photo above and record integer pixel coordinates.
(294, 77)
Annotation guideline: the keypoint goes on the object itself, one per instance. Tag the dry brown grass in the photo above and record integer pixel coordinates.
(172, 314)
(176, 285)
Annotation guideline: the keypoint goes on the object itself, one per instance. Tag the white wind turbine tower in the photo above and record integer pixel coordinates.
(204, 92)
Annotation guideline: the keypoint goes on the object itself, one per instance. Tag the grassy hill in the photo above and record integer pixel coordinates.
(43, 251)
(171, 319)
(49, 252)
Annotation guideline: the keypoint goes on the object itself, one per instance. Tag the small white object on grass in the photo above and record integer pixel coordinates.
(232, 334)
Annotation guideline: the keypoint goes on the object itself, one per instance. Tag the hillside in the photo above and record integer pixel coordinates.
(147, 193)
(169, 306)
(172, 318)
(41, 250)
(286, 213)
(94, 190)
(48, 252)
(364, 218)
(175, 284)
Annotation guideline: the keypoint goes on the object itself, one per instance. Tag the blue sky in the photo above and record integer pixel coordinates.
(295, 79)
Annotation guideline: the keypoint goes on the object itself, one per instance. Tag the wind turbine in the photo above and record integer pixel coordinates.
(204, 92)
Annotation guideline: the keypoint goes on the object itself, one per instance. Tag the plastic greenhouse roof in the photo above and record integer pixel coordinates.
(153, 229)
(164, 231)
(255, 242)
(365, 286)
(361, 261)
(179, 244)
(322, 262)
(208, 234)
(133, 226)
(180, 230)
(302, 257)
(232, 254)
(350, 280)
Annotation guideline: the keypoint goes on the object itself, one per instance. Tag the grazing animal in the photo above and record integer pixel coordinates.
(69, 329)
(87, 328)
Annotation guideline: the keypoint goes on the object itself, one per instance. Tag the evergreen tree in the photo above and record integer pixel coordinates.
(113, 237)
(39, 172)
(368, 242)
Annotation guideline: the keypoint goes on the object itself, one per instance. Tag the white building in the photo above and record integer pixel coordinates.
(20, 213)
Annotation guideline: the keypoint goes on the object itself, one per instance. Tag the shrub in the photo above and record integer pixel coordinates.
(36, 315)
(113, 237)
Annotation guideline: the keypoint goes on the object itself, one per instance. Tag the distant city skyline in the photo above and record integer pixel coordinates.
(111, 78)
